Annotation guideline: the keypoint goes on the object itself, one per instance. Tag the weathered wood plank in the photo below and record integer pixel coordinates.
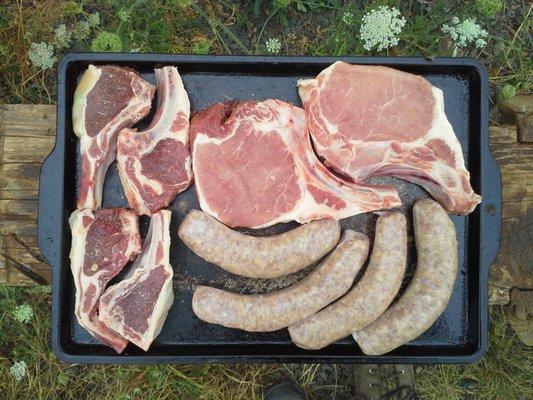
(24, 149)
(519, 111)
(29, 119)
(19, 209)
(513, 268)
(19, 266)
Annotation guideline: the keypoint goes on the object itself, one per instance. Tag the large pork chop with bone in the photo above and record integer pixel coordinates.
(371, 120)
(254, 166)
(107, 99)
(155, 164)
(102, 244)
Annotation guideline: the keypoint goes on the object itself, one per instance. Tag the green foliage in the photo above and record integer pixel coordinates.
(282, 3)
(488, 8)
(183, 3)
(70, 8)
(508, 92)
(202, 46)
(504, 373)
(107, 42)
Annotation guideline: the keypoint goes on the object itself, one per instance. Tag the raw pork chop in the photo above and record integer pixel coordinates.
(254, 166)
(155, 164)
(102, 243)
(372, 120)
(107, 99)
(137, 306)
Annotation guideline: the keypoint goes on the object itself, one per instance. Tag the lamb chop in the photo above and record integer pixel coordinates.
(108, 98)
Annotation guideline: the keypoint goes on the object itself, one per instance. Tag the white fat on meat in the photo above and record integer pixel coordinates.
(155, 164)
(137, 306)
(254, 166)
(371, 120)
(103, 242)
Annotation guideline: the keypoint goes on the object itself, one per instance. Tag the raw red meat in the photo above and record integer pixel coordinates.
(102, 243)
(107, 99)
(155, 164)
(371, 120)
(137, 306)
(254, 166)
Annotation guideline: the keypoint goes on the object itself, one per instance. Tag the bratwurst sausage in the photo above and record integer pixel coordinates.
(371, 295)
(428, 294)
(258, 257)
(273, 311)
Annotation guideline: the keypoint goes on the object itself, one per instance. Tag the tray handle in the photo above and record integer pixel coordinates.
(49, 228)
(491, 209)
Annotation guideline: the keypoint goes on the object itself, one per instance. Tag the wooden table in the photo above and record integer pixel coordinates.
(27, 136)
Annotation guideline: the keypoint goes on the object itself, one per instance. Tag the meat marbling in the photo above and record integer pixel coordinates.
(155, 164)
(107, 99)
(373, 120)
(137, 306)
(254, 166)
(102, 243)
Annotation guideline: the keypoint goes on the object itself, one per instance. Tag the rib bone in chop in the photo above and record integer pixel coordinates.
(254, 166)
(155, 164)
(373, 120)
(137, 306)
(107, 99)
(102, 243)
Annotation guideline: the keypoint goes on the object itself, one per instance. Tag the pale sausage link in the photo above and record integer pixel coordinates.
(258, 257)
(273, 311)
(428, 294)
(369, 298)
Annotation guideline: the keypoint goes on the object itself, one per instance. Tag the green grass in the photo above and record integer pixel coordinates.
(504, 373)
(223, 27)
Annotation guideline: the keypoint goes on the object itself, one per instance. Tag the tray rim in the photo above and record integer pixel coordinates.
(51, 224)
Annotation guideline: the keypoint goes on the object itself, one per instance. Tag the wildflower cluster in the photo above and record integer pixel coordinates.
(42, 55)
(380, 28)
(466, 32)
(347, 17)
(23, 314)
(273, 45)
(18, 370)
(62, 36)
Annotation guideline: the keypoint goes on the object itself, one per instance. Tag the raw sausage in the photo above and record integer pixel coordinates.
(273, 311)
(369, 298)
(258, 257)
(428, 294)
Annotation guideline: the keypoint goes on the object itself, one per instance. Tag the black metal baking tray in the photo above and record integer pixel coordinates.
(460, 334)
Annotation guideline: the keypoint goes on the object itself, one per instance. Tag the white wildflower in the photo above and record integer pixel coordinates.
(347, 17)
(62, 36)
(23, 313)
(381, 27)
(466, 32)
(19, 370)
(81, 30)
(93, 19)
(273, 45)
(123, 14)
(42, 55)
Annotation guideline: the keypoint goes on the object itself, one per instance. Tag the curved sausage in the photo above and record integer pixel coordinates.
(428, 294)
(369, 298)
(258, 257)
(273, 311)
